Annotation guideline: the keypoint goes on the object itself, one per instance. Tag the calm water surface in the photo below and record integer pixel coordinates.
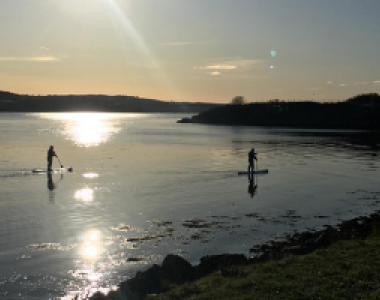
(144, 186)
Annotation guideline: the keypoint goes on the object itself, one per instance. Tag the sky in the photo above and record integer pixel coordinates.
(191, 50)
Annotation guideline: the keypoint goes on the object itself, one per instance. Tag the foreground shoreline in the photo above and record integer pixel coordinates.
(177, 272)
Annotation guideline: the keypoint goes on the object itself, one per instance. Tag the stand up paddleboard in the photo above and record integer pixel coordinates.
(265, 171)
(56, 170)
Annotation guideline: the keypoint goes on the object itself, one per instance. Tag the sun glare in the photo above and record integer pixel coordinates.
(91, 251)
(85, 195)
(86, 129)
(90, 129)
(91, 246)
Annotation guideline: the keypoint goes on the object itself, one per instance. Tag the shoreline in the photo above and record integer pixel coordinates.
(176, 271)
(359, 112)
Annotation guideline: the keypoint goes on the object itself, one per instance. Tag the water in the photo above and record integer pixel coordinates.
(144, 186)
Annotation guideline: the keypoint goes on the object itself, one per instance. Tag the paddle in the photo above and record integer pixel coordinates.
(70, 169)
(60, 162)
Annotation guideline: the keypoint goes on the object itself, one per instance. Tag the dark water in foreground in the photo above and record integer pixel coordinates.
(144, 186)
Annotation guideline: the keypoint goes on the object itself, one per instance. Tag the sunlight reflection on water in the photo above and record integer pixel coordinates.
(86, 129)
(90, 270)
(91, 248)
(90, 175)
(84, 195)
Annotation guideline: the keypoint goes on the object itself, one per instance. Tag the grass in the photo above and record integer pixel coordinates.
(345, 270)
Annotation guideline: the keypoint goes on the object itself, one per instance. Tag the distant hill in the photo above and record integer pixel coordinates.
(4, 94)
(359, 112)
(10, 102)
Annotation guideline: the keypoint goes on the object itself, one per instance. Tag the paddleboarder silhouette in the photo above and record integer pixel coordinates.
(50, 154)
(251, 156)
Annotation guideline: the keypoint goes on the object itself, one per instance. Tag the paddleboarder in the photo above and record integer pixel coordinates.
(50, 155)
(251, 156)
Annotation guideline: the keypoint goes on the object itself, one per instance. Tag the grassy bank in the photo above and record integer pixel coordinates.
(348, 269)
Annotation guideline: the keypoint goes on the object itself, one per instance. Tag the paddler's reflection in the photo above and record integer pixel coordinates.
(252, 187)
(51, 185)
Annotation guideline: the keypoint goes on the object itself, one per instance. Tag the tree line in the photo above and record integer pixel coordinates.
(359, 112)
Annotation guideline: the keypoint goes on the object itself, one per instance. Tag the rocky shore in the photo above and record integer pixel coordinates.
(175, 270)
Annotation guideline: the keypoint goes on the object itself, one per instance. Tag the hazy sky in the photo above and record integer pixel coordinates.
(191, 50)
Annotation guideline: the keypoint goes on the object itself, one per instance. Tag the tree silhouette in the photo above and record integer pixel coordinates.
(238, 100)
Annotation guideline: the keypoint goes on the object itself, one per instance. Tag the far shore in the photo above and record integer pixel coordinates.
(361, 112)
(11, 102)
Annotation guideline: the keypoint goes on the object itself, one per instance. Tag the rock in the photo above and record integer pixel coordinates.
(115, 295)
(144, 283)
(99, 296)
(326, 238)
(176, 269)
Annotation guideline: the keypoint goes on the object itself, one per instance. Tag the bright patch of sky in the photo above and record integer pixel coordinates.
(191, 50)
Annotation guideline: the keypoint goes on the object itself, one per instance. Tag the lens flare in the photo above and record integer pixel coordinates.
(153, 64)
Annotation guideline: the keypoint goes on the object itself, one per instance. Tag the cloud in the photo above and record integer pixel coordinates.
(360, 83)
(217, 67)
(244, 63)
(343, 84)
(329, 82)
(231, 64)
(180, 43)
(29, 59)
(377, 82)
(215, 73)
